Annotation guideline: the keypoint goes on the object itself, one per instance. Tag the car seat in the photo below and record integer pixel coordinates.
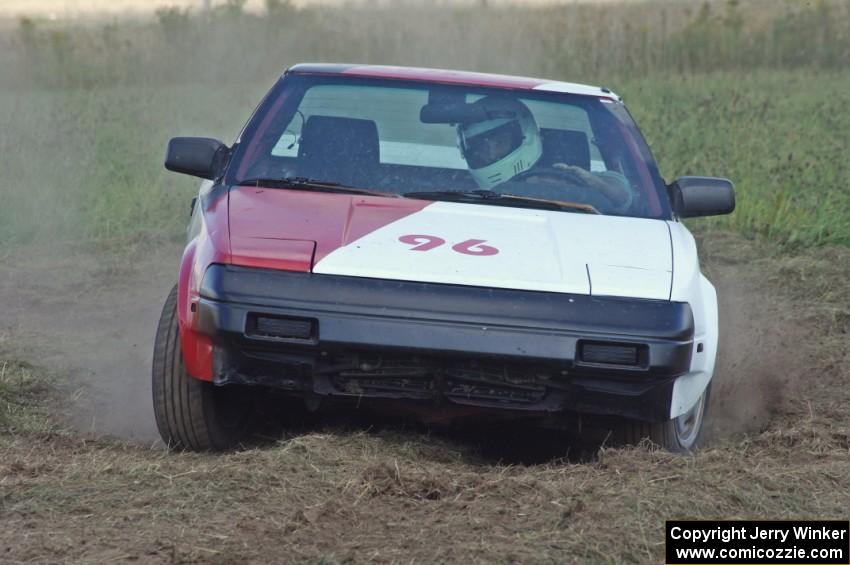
(565, 146)
(342, 150)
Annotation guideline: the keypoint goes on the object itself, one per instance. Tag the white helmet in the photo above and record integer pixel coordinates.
(499, 148)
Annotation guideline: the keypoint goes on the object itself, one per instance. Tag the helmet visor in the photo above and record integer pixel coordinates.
(491, 146)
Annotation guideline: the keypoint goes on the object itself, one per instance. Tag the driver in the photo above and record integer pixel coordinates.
(508, 143)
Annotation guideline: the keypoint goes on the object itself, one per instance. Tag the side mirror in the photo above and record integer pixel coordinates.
(692, 197)
(196, 156)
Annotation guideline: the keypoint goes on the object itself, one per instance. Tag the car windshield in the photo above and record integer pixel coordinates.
(408, 137)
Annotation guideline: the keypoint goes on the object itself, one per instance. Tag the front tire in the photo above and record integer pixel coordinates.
(678, 435)
(192, 414)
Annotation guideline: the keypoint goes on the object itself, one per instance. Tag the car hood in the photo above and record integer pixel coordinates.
(451, 243)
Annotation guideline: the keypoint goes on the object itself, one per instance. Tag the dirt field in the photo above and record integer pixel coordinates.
(360, 490)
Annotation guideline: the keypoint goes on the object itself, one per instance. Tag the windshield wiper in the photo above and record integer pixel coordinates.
(491, 197)
(313, 184)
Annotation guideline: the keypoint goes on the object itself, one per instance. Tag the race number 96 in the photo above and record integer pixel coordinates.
(421, 242)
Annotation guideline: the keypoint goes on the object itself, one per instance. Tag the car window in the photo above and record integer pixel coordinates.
(376, 134)
(404, 139)
(560, 116)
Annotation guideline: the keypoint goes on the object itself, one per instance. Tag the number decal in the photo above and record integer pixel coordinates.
(468, 247)
(422, 242)
(475, 247)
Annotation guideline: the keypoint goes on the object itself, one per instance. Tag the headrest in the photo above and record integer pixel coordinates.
(570, 147)
(344, 150)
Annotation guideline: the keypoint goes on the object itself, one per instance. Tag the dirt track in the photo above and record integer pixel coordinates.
(91, 319)
(780, 427)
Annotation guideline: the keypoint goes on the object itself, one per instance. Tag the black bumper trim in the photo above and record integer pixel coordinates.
(446, 321)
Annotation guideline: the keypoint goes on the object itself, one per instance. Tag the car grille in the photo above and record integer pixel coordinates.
(461, 381)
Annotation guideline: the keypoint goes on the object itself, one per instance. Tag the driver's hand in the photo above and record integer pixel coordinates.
(617, 192)
(585, 175)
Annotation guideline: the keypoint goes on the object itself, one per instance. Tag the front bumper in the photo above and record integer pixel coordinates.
(368, 338)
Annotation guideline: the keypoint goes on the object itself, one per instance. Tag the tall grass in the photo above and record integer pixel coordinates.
(781, 136)
(596, 42)
(754, 90)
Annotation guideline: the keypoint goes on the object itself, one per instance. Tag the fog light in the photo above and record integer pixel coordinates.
(281, 327)
(610, 353)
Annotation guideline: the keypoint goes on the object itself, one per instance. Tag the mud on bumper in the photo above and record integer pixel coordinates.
(361, 338)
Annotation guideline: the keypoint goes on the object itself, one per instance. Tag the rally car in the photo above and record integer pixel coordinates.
(456, 242)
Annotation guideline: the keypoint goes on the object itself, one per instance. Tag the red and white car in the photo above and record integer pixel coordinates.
(465, 243)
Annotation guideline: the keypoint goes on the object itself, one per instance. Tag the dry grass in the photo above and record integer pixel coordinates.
(23, 391)
(384, 497)
(349, 494)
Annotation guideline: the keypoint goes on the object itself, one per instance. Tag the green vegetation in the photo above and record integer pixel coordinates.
(754, 90)
(22, 392)
(781, 136)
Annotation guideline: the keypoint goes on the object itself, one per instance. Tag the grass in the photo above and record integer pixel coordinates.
(23, 390)
(336, 497)
(755, 91)
(777, 134)
(26, 392)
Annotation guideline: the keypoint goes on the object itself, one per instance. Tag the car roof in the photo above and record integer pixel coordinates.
(445, 76)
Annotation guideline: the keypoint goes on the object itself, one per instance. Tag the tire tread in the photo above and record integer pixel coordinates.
(184, 406)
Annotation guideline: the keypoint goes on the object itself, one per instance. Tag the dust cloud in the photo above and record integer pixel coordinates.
(765, 351)
(91, 324)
